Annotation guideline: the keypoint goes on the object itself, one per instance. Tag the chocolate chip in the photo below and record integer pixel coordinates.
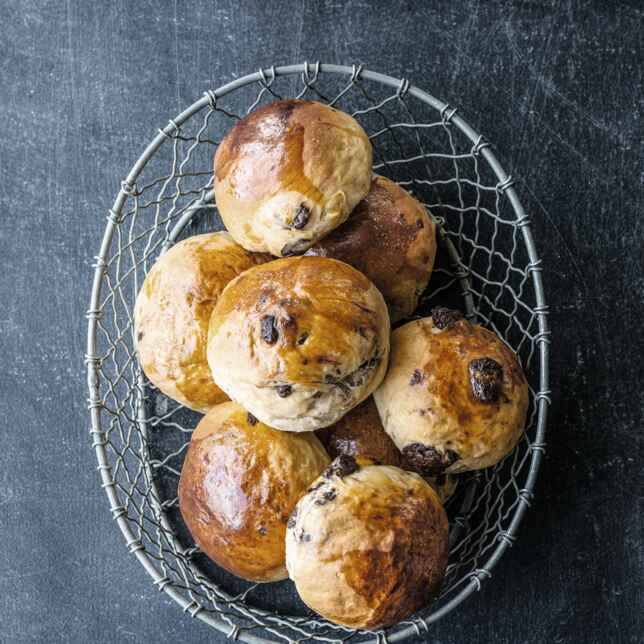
(342, 466)
(139, 337)
(302, 339)
(301, 217)
(419, 223)
(426, 460)
(284, 391)
(329, 495)
(251, 419)
(262, 530)
(269, 330)
(486, 378)
(444, 317)
(416, 377)
(294, 248)
(326, 497)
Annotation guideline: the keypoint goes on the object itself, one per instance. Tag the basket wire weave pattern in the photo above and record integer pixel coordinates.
(487, 265)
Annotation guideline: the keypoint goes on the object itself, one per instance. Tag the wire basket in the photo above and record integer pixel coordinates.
(487, 265)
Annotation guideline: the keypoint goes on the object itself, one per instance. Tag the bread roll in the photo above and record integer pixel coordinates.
(172, 312)
(392, 240)
(290, 172)
(367, 547)
(455, 397)
(299, 341)
(239, 483)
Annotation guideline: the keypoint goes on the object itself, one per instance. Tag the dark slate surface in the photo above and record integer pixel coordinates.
(557, 86)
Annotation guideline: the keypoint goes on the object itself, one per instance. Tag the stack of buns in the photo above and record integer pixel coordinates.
(329, 443)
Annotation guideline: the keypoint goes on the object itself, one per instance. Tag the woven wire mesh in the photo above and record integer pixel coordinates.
(486, 265)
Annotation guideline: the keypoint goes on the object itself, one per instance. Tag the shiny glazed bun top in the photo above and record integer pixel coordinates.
(367, 546)
(455, 397)
(290, 172)
(172, 313)
(299, 341)
(239, 483)
(392, 240)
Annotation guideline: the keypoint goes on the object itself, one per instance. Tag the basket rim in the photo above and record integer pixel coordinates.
(448, 114)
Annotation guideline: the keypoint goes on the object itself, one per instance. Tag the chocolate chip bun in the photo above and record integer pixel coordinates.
(360, 434)
(173, 309)
(392, 240)
(290, 172)
(299, 341)
(239, 483)
(367, 547)
(455, 397)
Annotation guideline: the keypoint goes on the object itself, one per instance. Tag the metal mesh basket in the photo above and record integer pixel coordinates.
(487, 265)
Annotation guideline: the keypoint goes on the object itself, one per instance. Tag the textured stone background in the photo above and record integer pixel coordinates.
(556, 85)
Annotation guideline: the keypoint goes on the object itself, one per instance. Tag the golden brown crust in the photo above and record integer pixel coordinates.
(361, 434)
(368, 549)
(299, 341)
(428, 404)
(264, 150)
(392, 240)
(290, 172)
(173, 310)
(239, 483)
